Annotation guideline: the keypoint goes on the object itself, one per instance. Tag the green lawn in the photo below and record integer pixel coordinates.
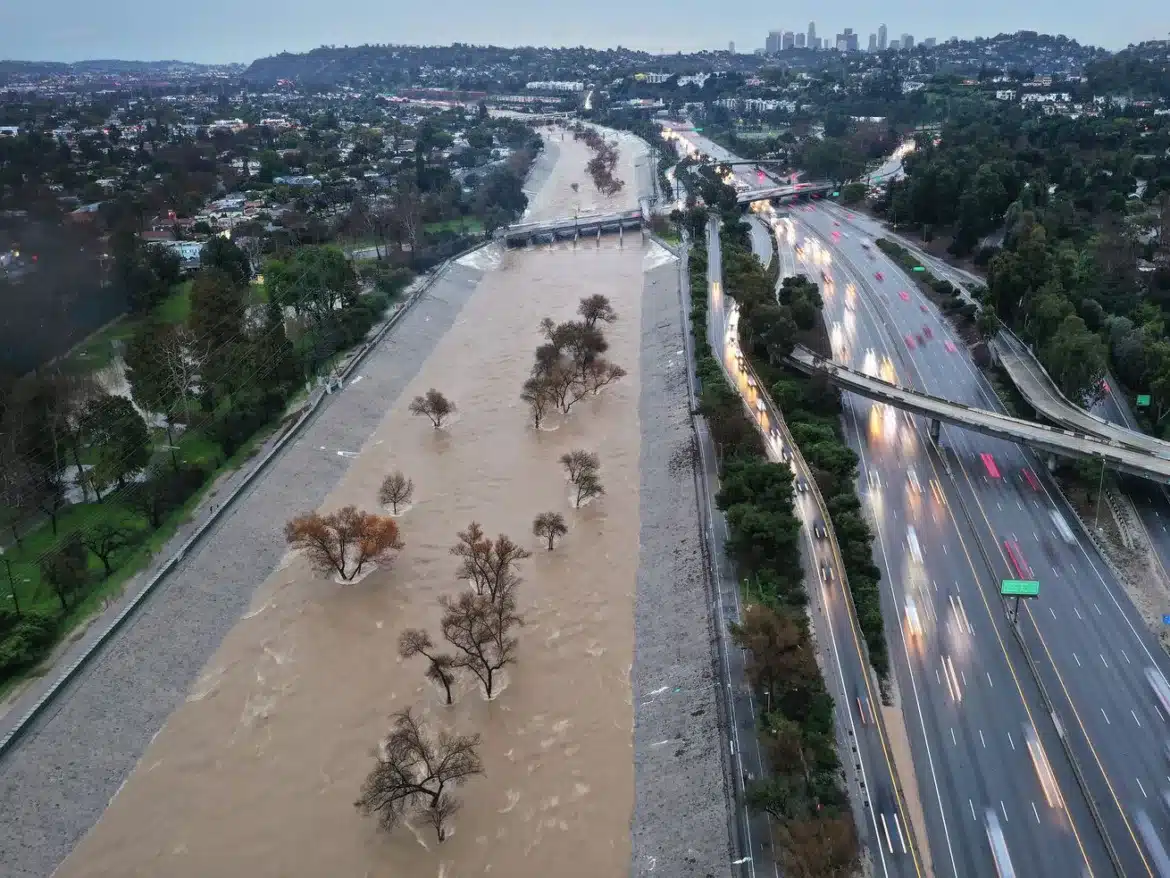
(177, 306)
(35, 594)
(466, 226)
(100, 349)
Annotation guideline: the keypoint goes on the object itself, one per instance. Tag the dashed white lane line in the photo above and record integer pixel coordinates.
(1034, 811)
(1104, 714)
(1011, 741)
(1135, 717)
(1140, 787)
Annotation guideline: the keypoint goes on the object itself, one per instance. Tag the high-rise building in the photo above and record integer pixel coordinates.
(883, 38)
(872, 43)
(731, 48)
(788, 41)
(812, 35)
(907, 41)
(772, 44)
(851, 44)
(800, 38)
(930, 42)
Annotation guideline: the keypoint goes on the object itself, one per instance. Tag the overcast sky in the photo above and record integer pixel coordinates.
(229, 30)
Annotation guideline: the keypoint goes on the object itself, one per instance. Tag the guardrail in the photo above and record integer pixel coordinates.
(75, 667)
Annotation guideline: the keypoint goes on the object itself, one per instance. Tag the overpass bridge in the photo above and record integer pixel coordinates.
(1041, 392)
(1053, 440)
(800, 190)
(571, 228)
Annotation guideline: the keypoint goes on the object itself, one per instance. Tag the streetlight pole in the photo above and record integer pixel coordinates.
(1100, 485)
(11, 583)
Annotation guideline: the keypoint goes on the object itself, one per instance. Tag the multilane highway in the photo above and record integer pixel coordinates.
(981, 739)
(867, 752)
(1083, 633)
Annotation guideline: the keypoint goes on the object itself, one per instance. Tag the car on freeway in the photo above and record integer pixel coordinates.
(863, 711)
(802, 485)
(1161, 688)
(1104, 386)
(927, 331)
(1030, 478)
(913, 620)
(1043, 769)
(912, 480)
(921, 340)
(950, 346)
(879, 275)
(913, 544)
(875, 480)
(819, 530)
(865, 244)
(826, 574)
(989, 465)
(923, 309)
(1062, 527)
(909, 341)
(904, 296)
(1016, 557)
(848, 216)
(999, 848)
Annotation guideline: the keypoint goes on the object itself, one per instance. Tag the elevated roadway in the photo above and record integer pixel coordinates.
(1041, 392)
(1039, 436)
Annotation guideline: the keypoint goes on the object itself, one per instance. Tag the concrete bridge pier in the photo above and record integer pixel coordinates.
(599, 237)
(621, 237)
(1051, 461)
(935, 427)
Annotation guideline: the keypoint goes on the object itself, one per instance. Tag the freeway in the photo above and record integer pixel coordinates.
(1084, 635)
(967, 698)
(884, 824)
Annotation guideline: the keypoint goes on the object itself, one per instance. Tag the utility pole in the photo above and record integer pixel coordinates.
(11, 583)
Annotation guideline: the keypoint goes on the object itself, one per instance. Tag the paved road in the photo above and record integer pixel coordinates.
(863, 743)
(1083, 633)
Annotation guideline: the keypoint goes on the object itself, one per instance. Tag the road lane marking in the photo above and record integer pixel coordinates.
(1052, 611)
(1034, 811)
(1126, 657)
(981, 739)
(972, 804)
(1135, 716)
(1105, 663)
(1077, 660)
(1104, 714)
(1098, 609)
(1011, 741)
(954, 740)
(1078, 612)
(1140, 787)
(1004, 810)
(989, 683)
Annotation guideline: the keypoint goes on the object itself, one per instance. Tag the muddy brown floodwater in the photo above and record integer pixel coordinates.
(256, 773)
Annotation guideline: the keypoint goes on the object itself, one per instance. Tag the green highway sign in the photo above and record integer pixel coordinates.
(1143, 400)
(835, 194)
(1019, 588)
(919, 268)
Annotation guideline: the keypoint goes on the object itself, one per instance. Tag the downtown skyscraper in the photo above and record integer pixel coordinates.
(883, 38)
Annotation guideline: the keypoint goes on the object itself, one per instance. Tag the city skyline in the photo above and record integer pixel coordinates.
(118, 29)
(846, 40)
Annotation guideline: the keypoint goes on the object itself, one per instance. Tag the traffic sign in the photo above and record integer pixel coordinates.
(1019, 588)
(919, 268)
(1143, 400)
(1166, 618)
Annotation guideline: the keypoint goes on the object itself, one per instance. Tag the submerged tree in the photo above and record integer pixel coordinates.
(549, 526)
(596, 308)
(540, 396)
(434, 405)
(479, 627)
(578, 462)
(345, 541)
(415, 773)
(396, 490)
(441, 667)
(488, 564)
(588, 487)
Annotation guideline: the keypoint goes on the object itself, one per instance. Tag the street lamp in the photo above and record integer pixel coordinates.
(11, 583)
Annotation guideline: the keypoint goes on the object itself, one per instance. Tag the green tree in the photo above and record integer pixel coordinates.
(118, 437)
(66, 568)
(1075, 357)
(313, 281)
(223, 255)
